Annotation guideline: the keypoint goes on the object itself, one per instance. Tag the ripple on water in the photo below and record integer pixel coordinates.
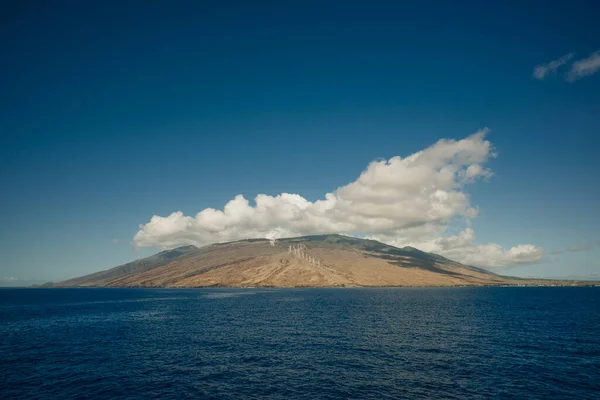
(300, 343)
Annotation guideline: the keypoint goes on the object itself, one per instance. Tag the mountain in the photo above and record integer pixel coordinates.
(308, 261)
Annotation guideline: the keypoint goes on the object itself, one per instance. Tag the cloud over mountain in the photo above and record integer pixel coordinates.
(462, 247)
(401, 200)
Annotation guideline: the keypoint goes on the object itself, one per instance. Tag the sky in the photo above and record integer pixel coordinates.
(469, 129)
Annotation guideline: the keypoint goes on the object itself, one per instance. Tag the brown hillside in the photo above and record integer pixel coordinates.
(310, 261)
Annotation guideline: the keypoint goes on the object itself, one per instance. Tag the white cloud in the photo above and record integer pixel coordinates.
(462, 247)
(579, 247)
(115, 241)
(584, 67)
(543, 70)
(401, 200)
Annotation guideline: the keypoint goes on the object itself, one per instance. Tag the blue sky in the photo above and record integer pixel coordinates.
(114, 112)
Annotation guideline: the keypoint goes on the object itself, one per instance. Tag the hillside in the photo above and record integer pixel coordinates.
(309, 261)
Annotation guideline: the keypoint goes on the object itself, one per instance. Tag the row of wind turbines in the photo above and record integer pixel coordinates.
(300, 251)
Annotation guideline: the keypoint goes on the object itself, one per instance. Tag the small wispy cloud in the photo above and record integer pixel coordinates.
(584, 67)
(115, 241)
(543, 70)
(579, 69)
(579, 247)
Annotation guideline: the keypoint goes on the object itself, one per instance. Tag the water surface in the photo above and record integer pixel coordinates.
(300, 343)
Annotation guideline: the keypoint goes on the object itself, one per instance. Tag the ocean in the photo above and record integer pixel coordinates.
(389, 343)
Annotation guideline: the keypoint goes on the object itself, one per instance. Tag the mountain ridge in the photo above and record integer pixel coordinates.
(332, 260)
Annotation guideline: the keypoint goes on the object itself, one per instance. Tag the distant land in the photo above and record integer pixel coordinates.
(308, 261)
(12, 282)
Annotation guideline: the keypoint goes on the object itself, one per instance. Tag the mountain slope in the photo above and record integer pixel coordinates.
(134, 267)
(315, 261)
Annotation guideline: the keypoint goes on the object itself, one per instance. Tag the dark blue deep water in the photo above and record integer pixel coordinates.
(300, 343)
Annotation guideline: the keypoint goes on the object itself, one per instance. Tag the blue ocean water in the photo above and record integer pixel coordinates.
(300, 343)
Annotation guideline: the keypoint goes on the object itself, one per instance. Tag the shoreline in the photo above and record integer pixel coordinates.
(575, 284)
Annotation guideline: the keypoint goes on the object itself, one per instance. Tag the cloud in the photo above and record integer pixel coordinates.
(579, 69)
(579, 247)
(414, 200)
(115, 241)
(543, 70)
(462, 247)
(584, 67)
